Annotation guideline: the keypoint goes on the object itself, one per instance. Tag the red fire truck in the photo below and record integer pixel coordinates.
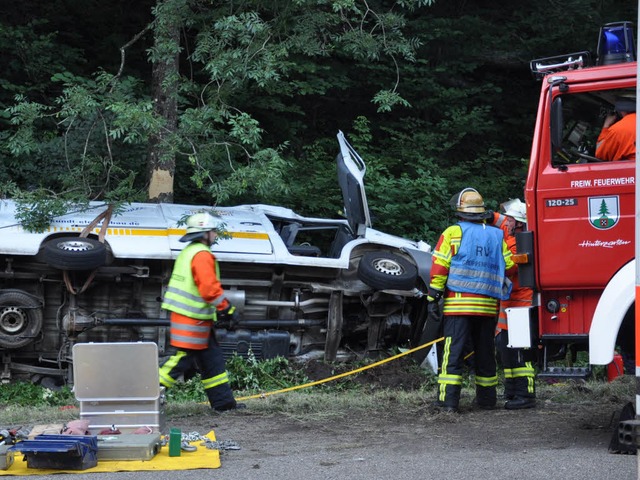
(578, 252)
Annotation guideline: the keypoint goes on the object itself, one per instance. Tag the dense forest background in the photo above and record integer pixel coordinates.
(229, 102)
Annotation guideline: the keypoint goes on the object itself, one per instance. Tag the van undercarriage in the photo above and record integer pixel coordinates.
(286, 312)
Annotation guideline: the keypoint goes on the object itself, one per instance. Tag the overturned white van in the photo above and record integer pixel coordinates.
(300, 285)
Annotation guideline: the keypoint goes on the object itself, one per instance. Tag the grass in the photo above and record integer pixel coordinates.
(28, 404)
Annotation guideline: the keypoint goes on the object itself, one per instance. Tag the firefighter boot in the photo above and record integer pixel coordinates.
(451, 398)
(221, 398)
(509, 389)
(520, 403)
(486, 397)
(230, 406)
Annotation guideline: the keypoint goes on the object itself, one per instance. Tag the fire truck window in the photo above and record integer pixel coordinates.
(582, 117)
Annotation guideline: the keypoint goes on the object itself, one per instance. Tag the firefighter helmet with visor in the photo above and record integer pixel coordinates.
(200, 223)
(468, 201)
(516, 209)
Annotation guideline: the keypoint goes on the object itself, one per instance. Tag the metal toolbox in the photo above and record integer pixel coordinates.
(62, 452)
(6, 457)
(128, 446)
(117, 384)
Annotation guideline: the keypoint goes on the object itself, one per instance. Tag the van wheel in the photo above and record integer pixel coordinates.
(384, 270)
(20, 318)
(74, 253)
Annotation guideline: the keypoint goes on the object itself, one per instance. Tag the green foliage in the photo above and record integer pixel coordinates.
(262, 89)
(241, 52)
(250, 374)
(31, 56)
(245, 374)
(97, 123)
(30, 394)
(188, 391)
(387, 99)
(34, 210)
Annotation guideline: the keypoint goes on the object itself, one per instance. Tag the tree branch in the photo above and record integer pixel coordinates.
(123, 49)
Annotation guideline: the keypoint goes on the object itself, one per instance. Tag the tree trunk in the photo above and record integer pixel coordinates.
(162, 161)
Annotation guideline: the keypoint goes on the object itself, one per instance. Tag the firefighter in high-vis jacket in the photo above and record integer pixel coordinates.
(196, 300)
(469, 268)
(519, 373)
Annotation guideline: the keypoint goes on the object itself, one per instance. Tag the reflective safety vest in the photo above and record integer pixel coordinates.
(479, 265)
(190, 329)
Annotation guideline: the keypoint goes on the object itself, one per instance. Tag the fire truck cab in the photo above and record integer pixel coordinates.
(578, 250)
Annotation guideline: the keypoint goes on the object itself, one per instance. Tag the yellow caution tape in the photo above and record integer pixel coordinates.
(345, 374)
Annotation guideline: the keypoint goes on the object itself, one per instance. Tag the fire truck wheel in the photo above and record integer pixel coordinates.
(20, 318)
(74, 253)
(384, 270)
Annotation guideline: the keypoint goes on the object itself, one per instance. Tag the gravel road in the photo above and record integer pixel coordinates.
(559, 441)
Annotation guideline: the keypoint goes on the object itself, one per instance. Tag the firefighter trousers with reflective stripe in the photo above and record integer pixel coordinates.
(457, 330)
(519, 374)
(211, 366)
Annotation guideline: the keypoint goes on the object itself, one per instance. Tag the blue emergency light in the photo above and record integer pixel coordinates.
(616, 43)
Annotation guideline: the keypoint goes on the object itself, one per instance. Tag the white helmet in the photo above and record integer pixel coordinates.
(199, 223)
(516, 209)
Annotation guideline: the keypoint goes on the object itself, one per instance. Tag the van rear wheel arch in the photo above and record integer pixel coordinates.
(21, 318)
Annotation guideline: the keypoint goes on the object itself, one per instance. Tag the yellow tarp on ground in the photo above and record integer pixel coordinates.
(201, 458)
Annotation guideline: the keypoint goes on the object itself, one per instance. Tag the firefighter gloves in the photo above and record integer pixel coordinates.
(226, 314)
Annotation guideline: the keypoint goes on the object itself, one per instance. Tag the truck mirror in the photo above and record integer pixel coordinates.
(556, 124)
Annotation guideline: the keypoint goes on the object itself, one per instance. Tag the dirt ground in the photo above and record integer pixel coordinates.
(567, 436)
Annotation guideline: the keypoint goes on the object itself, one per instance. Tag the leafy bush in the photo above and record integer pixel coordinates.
(263, 375)
(29, 394)
(245, 374)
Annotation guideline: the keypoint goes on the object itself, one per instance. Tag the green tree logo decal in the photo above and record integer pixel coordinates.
(603, 212)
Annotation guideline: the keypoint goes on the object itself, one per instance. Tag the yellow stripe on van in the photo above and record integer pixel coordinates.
(251, 235)
(148, 232)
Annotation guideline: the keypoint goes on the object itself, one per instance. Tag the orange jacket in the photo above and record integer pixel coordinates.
(618, 142)
(500, 221)
(520, 296)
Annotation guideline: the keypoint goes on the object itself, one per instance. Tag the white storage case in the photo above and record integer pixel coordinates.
(118, 384)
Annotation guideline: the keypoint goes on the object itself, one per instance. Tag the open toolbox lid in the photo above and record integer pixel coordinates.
(116, 371)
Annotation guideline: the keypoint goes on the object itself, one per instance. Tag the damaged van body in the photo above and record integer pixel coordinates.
(301, 286)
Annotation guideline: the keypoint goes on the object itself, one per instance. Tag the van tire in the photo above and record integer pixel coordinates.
(74, 253)
(20, 318)
(384, 270)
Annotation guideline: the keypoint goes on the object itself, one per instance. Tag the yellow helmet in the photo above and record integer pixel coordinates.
(468, 201)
